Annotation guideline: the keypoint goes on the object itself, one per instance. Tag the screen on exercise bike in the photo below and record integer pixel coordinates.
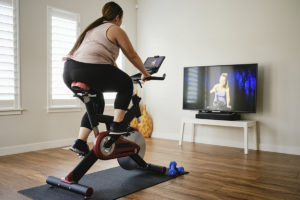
(152, 64)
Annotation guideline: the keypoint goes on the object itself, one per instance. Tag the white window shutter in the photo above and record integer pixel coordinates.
(9, 56)
(63, 29)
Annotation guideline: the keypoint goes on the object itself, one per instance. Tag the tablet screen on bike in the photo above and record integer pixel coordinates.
(152, 64)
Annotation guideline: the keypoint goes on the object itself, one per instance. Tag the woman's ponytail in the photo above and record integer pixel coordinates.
(109, 11)
(96, 23)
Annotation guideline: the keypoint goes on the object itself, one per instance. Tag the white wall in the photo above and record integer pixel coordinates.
(35, 128)
(212, 32)
(189, 33)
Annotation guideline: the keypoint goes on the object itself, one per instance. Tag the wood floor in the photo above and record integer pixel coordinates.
(215, 172)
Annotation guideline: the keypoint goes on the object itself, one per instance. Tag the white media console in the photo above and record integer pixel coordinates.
(245, 124)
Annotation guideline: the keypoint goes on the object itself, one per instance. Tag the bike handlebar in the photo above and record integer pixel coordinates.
(137, 79)
(156, 77)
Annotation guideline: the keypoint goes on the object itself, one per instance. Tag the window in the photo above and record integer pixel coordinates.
(63, 29)
(9, 58)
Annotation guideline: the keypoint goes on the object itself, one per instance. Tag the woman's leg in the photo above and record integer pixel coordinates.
(119, 115)
(115, 80)
(124, 88)
(80, 146)
(85, 127)
(84, 133)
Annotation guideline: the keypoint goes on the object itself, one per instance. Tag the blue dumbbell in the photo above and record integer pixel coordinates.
(173, 170)
(180, 170)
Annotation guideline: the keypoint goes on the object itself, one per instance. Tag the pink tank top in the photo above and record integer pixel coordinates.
(96, 48)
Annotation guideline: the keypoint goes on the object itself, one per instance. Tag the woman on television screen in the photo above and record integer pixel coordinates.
(221, 90)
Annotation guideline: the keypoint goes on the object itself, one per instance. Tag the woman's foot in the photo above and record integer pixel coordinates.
(118, 128)
(80, 147)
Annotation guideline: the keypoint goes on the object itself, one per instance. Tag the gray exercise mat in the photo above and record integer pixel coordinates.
(107, 184)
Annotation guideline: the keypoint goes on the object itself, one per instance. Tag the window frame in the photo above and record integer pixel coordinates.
(61, 105)
(16, 109)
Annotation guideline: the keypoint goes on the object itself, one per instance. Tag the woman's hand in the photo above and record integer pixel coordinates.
(67, 57)
(144, 76)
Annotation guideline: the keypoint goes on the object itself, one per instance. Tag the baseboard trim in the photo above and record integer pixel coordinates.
(4, 151)
(263, 147)
(161, 135)
(280, 149)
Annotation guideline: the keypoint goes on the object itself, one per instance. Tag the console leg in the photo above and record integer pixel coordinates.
(256, 138)
(246, 140)
(193, 132)
(181, 132)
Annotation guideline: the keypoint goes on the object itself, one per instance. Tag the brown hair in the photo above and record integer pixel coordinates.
(109, 11)
(225, 76)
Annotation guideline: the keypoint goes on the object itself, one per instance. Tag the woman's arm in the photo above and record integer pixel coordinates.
(228, 98)
(119, 37)
(214, 88)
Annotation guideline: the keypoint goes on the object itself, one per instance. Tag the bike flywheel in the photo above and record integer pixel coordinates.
(127, 162)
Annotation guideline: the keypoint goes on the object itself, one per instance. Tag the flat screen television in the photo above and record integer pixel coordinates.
(220, 88)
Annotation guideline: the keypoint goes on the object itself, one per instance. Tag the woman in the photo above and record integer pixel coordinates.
(92, 60)
(221, 90)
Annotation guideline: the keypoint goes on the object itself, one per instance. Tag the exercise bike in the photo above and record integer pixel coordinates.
(128, 148)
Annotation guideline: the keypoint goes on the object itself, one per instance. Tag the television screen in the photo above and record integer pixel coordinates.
(228, 88)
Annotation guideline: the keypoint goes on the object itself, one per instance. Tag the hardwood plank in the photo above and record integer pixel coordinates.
(258, 192)
(216, 172)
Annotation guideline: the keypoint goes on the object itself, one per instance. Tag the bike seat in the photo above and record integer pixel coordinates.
(79, 86)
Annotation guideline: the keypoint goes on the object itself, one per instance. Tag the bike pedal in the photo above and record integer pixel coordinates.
(79, 153)
(126, 134)
(81, 156)
(130, 129)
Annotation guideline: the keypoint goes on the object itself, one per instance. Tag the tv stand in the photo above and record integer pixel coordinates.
(218, 115)
(245, 124)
